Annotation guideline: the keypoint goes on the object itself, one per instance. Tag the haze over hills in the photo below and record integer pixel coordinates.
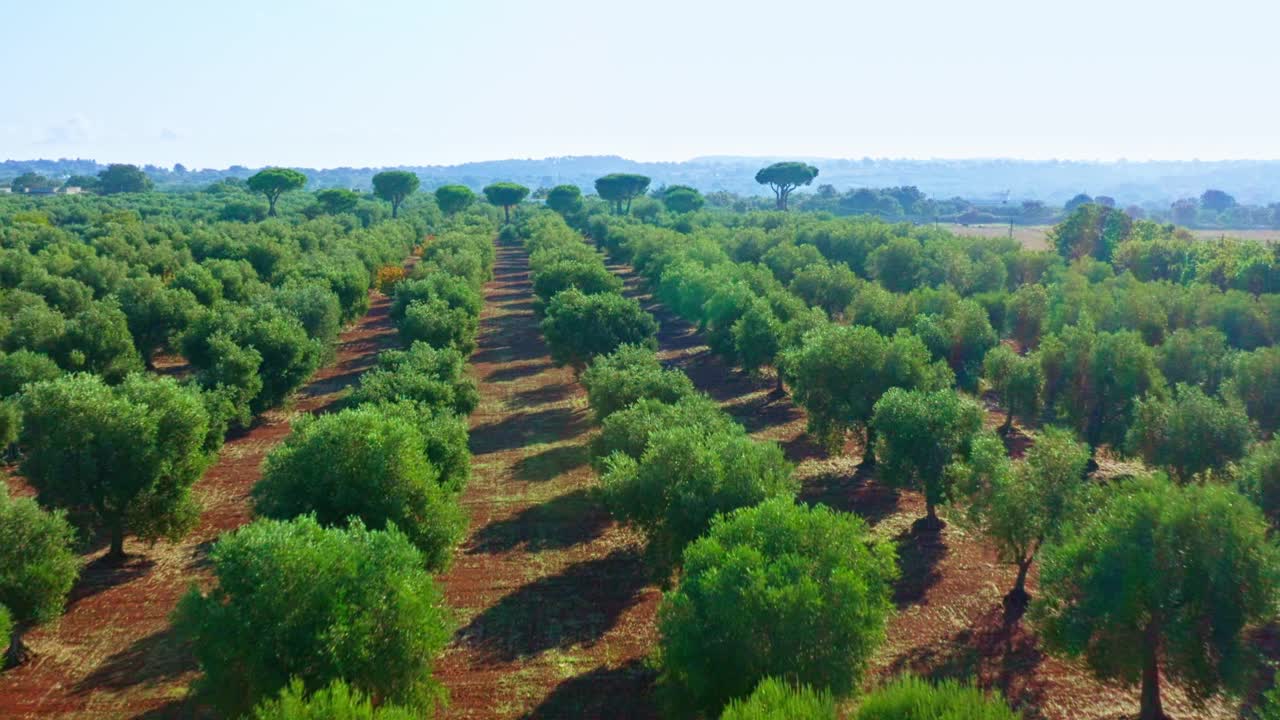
(1130, 182)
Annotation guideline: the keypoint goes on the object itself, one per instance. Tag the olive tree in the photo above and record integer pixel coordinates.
(297, 599)
(505, 195)
(336, 701)
(580, 327)
(1018, 380)
(453, 199)
(121, 459)
(628, 430)
(273, 182)
(839, 372)
(1023, 504)
(1189, 433)
(685, 477)
(1259, 478)
(784, 177)
(395, 186)
(38, 566)
(918, 435)
(775, 700)
(366, 463)
(1196, 567)
(775, 590)
(628, 374)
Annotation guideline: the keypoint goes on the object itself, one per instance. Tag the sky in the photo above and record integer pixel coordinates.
(432, 82)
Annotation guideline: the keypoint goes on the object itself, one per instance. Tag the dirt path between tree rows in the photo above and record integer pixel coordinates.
(112, 655)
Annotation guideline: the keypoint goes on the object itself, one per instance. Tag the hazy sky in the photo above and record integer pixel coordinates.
(386, 82)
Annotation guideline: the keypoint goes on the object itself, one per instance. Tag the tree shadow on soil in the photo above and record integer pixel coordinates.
(528, 428)
(993, 652)
(552, 462)
(857, 493)
(149, 661)
(578, 605)
(621, 693)
(516, 372)
(562, 522)
(919, 552)
(544, 395)
(104, 574)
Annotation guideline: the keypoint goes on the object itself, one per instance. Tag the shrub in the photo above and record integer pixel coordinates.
(454, 291)
(119, 459)
(295, 599)
(97, 340)
(38, 565)
(430, 377)
(914, 699)
(581, 327)
(368, 464)
(775, 590)
(314, 305)
(387, 278)
(435, 323)
(628, 374)
(774, 700)
(628, 430)
(6, 630)
(685, 477)
(337, 701)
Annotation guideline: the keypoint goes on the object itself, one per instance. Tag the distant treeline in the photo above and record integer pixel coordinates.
(1229, 194)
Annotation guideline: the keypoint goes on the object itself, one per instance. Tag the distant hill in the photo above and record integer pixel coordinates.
(1053, 182)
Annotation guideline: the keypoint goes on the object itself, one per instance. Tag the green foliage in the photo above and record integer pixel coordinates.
(776, 590)
(1026, 312)
(22, 367)
(619, 189)
(1091, 230)
(1163, 578)
(757, 337)
(775, 700)
(580, 327)
(1256, 383)
(565, 199)
(919, 434)
(273, 182)
(588, 276)
(839, 373)
(682, 199)
(830, 287)
(628, 374)
(1195, 356)
(784, 177)
(155, 314)
(1093, 380)
(314, 305)
(1018, 380)
(395, 186)
(456, 291)
(437, 324)
(628, 430)
(118, 178)
(38, 564)
(1259, 478)
(897, 264)
(505, 195)
(1021, 505)
(453, 199)
(685, 477)
(1189, 433)
(118, 459)
(910, 698)
(337, 701)
(366, 463)
(296, 599)
(6, 625)
(97, 340)
(336, 201)
(429, 376)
